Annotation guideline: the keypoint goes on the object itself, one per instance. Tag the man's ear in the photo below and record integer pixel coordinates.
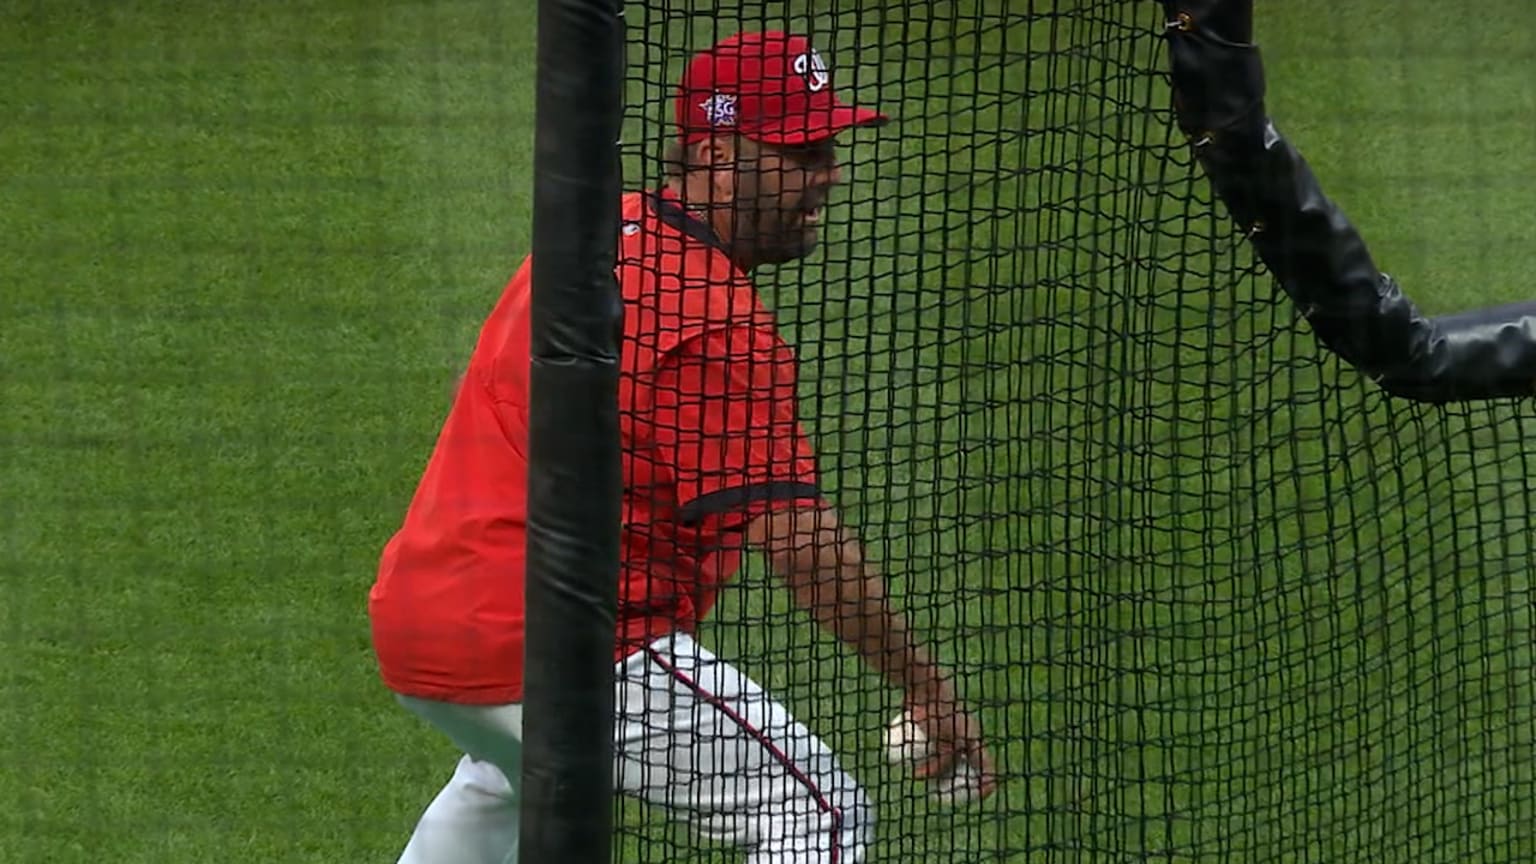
(711, 154)
(717, 155)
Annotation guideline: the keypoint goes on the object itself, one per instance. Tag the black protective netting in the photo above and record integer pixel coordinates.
(1213, 596)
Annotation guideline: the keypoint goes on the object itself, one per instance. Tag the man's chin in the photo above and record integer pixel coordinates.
(787, 252)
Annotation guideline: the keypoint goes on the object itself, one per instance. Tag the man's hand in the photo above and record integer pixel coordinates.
(954, 733)
(824, 568)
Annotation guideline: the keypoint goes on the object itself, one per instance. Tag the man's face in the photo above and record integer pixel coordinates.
(779, 196)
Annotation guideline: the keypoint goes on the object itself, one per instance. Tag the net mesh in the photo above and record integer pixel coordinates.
(1214, 597)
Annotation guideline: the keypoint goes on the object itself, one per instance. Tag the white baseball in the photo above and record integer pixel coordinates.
(906, 745)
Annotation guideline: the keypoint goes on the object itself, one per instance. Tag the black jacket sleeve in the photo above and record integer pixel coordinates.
(1320, 260)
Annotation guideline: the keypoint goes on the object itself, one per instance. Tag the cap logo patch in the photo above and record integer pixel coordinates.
(813, 69)
(720, 109)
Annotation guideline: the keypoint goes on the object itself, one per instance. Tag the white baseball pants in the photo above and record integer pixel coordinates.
(693, 735)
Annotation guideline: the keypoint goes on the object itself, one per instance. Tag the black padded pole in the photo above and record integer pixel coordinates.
(1320, 259)
(574, 478)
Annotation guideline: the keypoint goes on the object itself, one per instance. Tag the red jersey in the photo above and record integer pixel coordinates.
(710, 438)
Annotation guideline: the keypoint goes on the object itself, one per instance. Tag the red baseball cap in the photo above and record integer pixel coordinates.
(771, 87)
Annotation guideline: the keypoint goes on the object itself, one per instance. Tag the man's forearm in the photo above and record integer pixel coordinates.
(824, 567)
(849, 600)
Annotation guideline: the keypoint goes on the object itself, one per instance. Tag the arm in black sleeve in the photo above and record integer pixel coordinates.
(1320, 260)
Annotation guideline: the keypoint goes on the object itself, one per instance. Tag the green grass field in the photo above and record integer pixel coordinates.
(1218, 599)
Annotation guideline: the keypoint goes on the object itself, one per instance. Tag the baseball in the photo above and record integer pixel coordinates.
(906, 744)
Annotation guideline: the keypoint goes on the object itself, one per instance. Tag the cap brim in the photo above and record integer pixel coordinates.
(816, 126)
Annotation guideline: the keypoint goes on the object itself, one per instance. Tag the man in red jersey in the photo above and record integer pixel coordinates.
(714, 461)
